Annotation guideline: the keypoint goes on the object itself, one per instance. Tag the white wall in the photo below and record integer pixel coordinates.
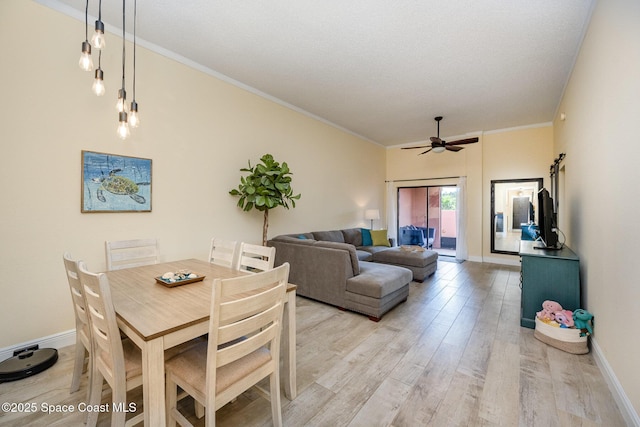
(601, 174)
(199, 131)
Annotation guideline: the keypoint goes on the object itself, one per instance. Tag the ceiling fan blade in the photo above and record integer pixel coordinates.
(463, 141)
(453, 148)
(425, 152)
(413, 148)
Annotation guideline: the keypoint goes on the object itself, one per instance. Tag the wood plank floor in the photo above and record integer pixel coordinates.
(452, 355)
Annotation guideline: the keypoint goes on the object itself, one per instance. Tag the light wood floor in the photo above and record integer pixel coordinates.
(452, 355)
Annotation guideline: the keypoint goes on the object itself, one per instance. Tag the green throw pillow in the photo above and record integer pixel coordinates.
(366, 237)
(379, 238)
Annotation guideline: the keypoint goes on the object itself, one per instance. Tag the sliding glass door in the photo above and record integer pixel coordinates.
(427, 216)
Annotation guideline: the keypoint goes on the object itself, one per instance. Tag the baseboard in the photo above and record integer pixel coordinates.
(515, 261)
(56, 341)
(626, 408)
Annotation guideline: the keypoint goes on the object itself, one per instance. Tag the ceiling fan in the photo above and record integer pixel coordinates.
(438, 145)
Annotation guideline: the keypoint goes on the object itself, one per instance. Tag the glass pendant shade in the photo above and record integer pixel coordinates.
(134, 118)
(438, 149)
(86, 63)
(98, 41)
(123, 126)
(98, 83)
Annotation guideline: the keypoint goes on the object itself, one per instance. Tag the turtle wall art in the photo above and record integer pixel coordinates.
(114, 183)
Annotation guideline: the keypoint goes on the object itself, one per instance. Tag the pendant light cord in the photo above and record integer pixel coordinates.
(86, 21)
(123, 41)
(135, 14)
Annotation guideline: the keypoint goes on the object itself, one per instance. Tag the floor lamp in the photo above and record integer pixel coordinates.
(372, 214)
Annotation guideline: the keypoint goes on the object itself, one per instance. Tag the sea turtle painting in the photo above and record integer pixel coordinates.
(119, 185)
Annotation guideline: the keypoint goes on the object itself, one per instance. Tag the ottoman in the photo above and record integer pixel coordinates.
(421, 263)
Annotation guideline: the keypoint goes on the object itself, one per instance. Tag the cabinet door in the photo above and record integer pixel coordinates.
(548, 279)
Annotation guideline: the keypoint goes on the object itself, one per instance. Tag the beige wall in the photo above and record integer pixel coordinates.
(198, 130)
(506, 154)
(516, 154)
(601, 174)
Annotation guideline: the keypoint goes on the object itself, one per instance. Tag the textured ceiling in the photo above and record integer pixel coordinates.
(381, 69)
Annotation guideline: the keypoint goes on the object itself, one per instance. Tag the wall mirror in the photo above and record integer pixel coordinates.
(514, 203)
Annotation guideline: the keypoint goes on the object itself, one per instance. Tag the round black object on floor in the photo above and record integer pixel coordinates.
(27, 363)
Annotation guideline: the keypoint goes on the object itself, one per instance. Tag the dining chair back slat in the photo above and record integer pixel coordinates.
(255, 258)
(131, 253)
(223, 252)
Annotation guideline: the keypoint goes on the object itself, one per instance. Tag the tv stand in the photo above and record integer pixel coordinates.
(547, 274)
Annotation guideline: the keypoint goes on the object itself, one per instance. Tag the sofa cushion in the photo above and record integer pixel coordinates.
(366, 237)
(379, 238)
(355, 265)
(378, 280)
(364, 255)
(329, 236)
(353, 236)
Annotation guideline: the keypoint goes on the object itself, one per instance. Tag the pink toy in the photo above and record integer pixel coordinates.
(548, 309)
(565, 318)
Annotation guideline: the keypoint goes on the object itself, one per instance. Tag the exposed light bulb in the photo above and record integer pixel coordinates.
(85, 62)
(123, 126)
(98, 40)
(98, 83)
(121, 105)
(134, 118)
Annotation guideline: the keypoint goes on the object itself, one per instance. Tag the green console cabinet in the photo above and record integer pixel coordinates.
(547, 275)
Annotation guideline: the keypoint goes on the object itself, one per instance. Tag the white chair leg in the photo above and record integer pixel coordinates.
(274, 392)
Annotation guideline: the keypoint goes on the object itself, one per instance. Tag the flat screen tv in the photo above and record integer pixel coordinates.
(547, 221)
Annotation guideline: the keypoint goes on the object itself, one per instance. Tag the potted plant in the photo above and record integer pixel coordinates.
(267, 186)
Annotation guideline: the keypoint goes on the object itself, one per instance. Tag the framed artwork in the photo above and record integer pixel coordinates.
(113, 183)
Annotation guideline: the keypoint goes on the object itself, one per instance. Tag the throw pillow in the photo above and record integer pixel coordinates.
(379, 238)
(302, 237)
(366, 237)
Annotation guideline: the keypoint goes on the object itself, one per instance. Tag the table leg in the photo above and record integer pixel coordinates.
(289, 338)
(153, 386)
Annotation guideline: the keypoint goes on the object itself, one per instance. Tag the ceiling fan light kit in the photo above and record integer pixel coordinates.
(439, 146)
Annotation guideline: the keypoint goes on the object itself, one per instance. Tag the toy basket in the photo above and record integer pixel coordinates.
(566, 339)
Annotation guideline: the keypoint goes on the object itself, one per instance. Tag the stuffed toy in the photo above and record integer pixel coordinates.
(548, 309)
(565, 318)
(581, 319)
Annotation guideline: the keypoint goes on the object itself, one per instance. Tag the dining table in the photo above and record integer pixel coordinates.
(158, 316)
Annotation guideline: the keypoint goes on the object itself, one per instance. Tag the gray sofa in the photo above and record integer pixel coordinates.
(332, 267)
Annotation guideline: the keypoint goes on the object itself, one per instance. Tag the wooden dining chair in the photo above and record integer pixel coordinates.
(83, 333)
(255, 258)
(243, 348)
(115, 360)
(130, 253)
(223, 252)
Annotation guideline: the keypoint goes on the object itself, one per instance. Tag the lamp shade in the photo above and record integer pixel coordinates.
(372, 214)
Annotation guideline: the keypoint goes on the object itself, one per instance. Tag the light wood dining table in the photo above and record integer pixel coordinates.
(156, 317)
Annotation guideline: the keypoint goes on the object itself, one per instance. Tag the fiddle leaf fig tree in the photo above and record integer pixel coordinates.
(267, 186)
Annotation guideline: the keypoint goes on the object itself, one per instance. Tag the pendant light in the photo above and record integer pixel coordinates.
(123, 125)
(134, 119)
(85, 62)
(98, 41)
(98, 82)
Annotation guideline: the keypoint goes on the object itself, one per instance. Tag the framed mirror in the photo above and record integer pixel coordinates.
(514, 204)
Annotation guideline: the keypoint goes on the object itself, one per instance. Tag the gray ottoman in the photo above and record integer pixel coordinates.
(421, 264)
